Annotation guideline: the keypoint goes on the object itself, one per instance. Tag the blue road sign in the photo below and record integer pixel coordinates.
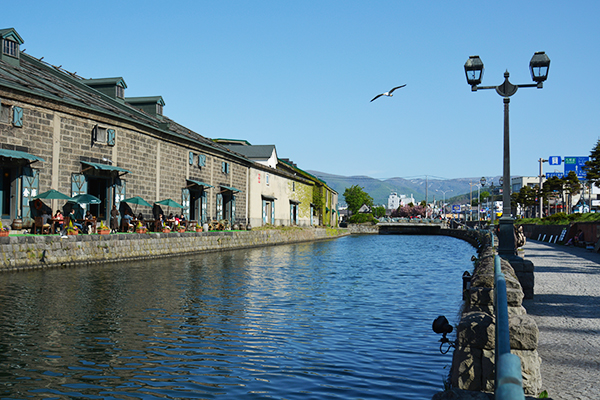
(576, 164)
(554, 174)
(554, 160)
(456, 208)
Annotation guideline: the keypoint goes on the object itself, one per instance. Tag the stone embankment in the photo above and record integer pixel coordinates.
(473, 360)
(473, 365)
(46, 251)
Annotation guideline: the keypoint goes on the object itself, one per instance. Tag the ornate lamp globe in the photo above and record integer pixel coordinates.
(539, 66)
(474, 70)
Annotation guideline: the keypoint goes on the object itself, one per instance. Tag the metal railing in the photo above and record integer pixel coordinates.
(509, 381)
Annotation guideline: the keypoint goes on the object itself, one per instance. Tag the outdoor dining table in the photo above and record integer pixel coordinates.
(54, 224)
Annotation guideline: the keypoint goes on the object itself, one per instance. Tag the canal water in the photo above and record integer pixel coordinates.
(343, 319)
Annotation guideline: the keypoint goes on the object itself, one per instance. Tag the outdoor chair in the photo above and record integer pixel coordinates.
(38, 225)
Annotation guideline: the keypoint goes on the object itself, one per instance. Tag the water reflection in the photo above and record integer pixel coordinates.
(349, 318)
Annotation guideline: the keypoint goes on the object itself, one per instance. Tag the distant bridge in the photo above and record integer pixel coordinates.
(411, 227)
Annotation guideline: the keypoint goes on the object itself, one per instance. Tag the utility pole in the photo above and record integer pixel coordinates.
(471, 200)
(426, 193)
(540, 197)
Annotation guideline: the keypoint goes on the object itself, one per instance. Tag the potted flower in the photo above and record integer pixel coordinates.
(198, 227)
(166, 229)
(179, 228)
(3, 230)
(72, 229)
(140, 228)
(103, 229)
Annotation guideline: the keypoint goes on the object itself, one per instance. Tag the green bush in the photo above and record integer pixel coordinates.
(362, 218)
(561, 219)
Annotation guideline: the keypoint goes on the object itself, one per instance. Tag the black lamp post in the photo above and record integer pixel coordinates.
(539, 66)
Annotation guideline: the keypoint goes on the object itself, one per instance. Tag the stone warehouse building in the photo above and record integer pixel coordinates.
(59, 131)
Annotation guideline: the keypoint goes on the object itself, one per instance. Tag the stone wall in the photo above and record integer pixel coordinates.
(473, 360)
(366, 228)
(27, 252)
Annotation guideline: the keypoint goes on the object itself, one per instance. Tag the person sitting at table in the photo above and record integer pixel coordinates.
(74, 220)
(128, 219)
(89, 221)
(160, 222)
(45, 218)
(171, 220)
(59, 220)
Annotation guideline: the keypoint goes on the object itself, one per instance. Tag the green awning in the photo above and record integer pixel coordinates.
(19, 155)
(294, 201)
(228, 188)
(105, 167)
(199, 183)
(270, 198)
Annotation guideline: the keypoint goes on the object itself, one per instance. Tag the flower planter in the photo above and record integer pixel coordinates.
(72, 233)
(181, 230)
(3, 233)
(198, 229)
(141, 231)
(104, 232)
(166, 231)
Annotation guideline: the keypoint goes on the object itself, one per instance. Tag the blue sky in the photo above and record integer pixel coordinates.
(301, 74)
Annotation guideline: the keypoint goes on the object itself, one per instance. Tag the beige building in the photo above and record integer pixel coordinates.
(277, 194)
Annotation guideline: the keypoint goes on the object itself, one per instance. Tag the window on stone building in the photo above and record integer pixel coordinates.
(159, 109)
(225, 167)
(99, 135)
(120, 91)
(201, 160)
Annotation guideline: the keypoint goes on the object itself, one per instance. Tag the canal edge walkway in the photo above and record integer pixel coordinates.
(566, 308)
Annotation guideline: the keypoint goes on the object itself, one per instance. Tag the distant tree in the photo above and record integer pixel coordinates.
(484, 195)
(592, 167)
(572, 186)
(526, 198)
(378, 211)
(409, 212)
(553, 187)
(355, 198)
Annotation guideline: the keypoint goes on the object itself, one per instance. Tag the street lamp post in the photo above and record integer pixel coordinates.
(540, 196)
(444, 199)
(482, 182)
(539, 66)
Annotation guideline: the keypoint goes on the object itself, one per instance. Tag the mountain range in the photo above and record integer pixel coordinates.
(456, 190)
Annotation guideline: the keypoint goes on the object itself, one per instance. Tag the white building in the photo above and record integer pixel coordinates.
(395, 201)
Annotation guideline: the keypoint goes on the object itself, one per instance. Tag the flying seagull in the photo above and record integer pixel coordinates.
(388, 93)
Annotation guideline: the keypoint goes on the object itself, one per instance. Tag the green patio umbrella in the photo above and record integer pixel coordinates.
(52, 195)
(85, 199)
(169, 203)
(138, 201)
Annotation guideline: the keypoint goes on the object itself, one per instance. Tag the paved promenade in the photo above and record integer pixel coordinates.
(566, 308)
